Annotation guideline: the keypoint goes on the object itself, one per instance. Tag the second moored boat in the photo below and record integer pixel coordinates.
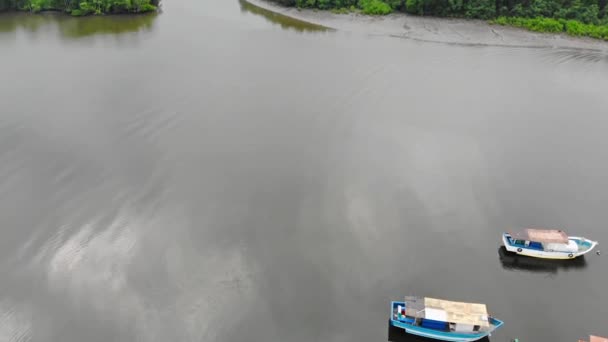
(547, 244)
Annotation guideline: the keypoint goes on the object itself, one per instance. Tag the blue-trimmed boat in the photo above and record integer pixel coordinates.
(443, 320)
(547, 244)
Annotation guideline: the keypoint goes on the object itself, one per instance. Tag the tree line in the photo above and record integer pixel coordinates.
(584, 11)
(81, 7)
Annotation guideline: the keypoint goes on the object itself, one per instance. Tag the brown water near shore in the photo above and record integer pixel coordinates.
(222, 173)
(71, 27)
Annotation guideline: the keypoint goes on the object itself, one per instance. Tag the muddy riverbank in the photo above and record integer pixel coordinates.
(441, 30)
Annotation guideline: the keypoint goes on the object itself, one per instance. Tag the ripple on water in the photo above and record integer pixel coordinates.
(15, 323)
(150, 124)
(585, 57)
(91, 258)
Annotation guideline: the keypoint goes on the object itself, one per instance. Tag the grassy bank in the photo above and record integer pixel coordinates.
(571, 27)
(81, 7)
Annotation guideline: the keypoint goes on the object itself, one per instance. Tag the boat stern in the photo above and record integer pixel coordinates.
(506, 243)
(504, 238)
(393, 312)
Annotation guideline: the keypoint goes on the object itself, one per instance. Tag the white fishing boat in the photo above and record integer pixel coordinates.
(547, 244)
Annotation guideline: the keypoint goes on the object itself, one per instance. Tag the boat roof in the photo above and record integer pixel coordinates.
(541, 235)
(448, 311)
(459, 312)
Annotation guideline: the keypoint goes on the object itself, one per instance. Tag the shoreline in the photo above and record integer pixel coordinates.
(53, 11)
(436, 30)
(66, 14)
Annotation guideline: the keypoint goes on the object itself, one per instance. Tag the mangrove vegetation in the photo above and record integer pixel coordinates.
(81, 7)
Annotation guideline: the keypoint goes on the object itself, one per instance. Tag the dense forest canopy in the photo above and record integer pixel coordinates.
(81, 7)
(585, 11)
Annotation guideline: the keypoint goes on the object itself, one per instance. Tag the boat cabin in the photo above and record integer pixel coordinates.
(443, 315)
(542, 240)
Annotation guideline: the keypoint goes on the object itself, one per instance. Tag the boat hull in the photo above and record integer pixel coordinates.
(428, 333)
(441, 335)
(588, 246)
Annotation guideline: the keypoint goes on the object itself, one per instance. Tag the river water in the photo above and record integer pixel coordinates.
(220, 173)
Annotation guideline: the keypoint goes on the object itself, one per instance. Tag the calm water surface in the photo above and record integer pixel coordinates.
(219, 173)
